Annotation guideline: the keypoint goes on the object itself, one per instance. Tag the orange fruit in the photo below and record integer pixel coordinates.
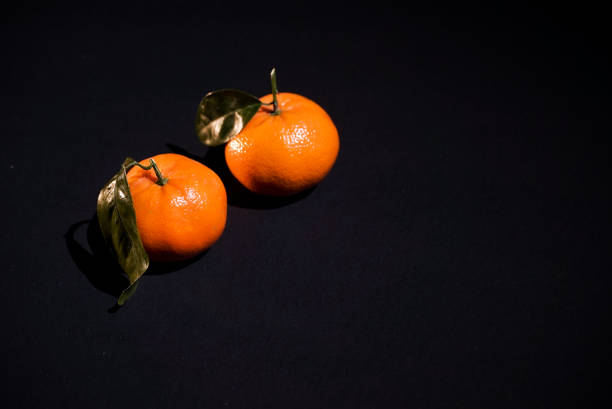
(286, 152)
(183, 217)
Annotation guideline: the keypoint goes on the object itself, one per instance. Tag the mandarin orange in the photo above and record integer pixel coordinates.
(179, 213)
(284, 149)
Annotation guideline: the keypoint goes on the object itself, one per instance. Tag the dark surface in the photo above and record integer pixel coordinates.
(456, 256)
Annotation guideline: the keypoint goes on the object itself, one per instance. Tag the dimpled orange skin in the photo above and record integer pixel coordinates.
(280, 155)
(185, 216)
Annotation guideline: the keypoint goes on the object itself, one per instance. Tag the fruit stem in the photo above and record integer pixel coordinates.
(161, 180)
(274, 92)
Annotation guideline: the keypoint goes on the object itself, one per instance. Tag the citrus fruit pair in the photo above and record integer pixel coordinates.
(281, 144)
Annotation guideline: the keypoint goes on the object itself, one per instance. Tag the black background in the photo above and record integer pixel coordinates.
(456, 256)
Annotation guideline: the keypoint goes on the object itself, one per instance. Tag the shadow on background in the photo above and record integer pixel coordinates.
(95, 262)
(237, 195)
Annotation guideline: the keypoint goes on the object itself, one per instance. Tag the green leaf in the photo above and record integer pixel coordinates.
(118, 225)
(223, 114)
